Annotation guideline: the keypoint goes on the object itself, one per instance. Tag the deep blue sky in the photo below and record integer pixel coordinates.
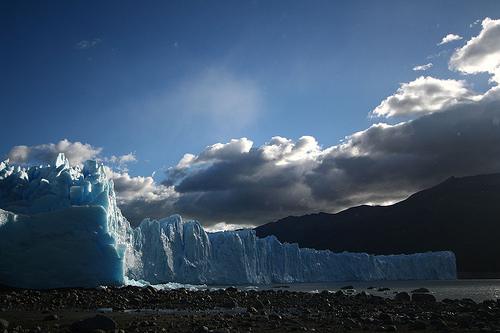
(160, 79)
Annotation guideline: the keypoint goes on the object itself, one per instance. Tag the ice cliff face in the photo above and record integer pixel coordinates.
(60, 227)
(172, 250)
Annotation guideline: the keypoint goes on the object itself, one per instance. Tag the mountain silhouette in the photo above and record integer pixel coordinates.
(459, 214)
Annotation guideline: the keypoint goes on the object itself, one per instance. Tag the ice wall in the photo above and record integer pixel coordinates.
(179, 251)
(55, 226)
(60, 227)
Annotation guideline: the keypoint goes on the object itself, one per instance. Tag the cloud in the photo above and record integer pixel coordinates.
(130, 187)
(218, 152)
(154, 201)
(424, 95)
(84, 44)
(481, 53)
(383, 163)
(130, 157)
(475, 22)
(120, 162)
(439, 54)
(76, 153)
(451, 131)
(218, 97)
(222, 226)
(423, 67)
(449, 38)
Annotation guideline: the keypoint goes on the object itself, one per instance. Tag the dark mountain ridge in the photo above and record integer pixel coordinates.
(459, 214)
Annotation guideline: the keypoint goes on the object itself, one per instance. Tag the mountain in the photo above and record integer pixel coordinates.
(459, 214)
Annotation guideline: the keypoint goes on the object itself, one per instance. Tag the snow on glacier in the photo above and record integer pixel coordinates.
(60, 226)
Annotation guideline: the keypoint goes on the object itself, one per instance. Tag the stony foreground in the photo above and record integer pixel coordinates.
(134, 309)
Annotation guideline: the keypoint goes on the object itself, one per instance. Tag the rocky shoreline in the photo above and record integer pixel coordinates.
(135, 309)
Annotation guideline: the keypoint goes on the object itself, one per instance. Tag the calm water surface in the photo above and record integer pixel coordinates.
(478, 290)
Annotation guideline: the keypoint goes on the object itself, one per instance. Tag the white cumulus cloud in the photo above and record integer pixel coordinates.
(423, 96)
(481, 53)
(76, 153)
(449, 38)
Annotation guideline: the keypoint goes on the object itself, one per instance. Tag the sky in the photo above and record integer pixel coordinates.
(243, 112)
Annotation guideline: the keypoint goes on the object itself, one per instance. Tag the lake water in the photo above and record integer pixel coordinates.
(478, 290)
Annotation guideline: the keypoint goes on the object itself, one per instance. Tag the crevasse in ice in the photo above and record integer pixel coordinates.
(60, 226)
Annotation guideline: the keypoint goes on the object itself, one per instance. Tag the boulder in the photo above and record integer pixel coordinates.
(99, 322)
(420, 290)
(423, 298)
(402, 297)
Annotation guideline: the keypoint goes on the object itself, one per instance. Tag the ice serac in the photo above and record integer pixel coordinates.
(54, 227)
(171, 250)
(60, 226)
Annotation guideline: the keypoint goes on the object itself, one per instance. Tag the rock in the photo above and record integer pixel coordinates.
(51, 317)
(258, 305)
(419, 325)
(423, 298)
(347, 287)
(4, 324)
(99, 322)
(385, 318)
(363, 295)
(339, 293)
(150, 290)
(230, 304)
(231, 289)
(306, 311)
(420, 290)
(252, 310)
(402, 297)
(136, 301)
(463, 319)
(275, 316)
(440, 324)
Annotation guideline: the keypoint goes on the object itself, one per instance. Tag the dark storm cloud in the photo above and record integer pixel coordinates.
(462, 140)
(238, 183)
(448, 130)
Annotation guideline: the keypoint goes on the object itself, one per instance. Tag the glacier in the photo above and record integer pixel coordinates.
(60, 226)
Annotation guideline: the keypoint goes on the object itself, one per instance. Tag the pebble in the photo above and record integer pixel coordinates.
(251, 311)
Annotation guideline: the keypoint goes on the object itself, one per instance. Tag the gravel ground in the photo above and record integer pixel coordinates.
(134, 309)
